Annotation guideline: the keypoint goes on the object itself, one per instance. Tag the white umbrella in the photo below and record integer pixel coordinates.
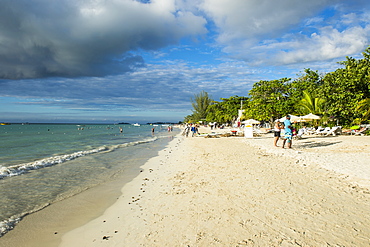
(251, 121)
(292, 119)
(310, 117)
(300, 119)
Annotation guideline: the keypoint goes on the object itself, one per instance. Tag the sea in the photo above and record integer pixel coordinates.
(41, 164)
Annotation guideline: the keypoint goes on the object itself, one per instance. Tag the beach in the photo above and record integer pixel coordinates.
(234, 191)
(230, 192)
(60, 176)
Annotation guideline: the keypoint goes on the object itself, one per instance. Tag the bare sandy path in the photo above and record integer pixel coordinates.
(225, 192)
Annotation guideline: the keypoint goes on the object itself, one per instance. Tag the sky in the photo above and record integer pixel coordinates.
(110, 61)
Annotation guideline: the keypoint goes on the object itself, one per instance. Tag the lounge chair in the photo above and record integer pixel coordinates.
(257, 132)
(347, 131)
(310, 131)
(324, 131)
(300, 133)
(319, 130)
(361, 131)
(334, 131)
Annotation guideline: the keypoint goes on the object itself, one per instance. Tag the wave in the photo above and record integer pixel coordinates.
(20, 169)
(9, 224)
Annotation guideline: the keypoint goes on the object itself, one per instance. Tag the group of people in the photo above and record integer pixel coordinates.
(190, 128)
(169, 128)
(288, 132)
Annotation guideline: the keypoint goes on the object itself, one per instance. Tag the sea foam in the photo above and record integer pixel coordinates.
(20, 169)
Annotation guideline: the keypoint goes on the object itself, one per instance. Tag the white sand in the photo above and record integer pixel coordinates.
(242, 192)
(349, 156)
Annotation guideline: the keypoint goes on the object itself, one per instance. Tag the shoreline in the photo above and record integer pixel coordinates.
(44, 228)
(127, 204)
(232, 191)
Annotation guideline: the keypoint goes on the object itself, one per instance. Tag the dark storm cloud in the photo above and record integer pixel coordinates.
(70, 38)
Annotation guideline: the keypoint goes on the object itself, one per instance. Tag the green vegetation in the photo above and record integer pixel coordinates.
(308, 104)
(269, 100)
(225, 111)
(341, 96)
(364, 108)
(200, 104)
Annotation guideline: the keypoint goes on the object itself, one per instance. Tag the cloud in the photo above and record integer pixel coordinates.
(263, 32)
(69, 38)
(156, 87)
(74, 38)
(328, 45)
(255, 19)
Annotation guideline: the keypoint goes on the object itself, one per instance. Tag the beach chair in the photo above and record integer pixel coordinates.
(334, 131)
(324, 131)
(348, 131)
(339, 130)
(361, 131)
(319, 129)
(310, 131)
(300, 134)
(257, 132)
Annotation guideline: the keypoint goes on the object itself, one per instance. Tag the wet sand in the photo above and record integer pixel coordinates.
(46, 227)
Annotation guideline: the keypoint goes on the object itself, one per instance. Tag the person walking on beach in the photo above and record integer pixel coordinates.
(194, 130)
(288, 136)
(277, 131)
(186, 130)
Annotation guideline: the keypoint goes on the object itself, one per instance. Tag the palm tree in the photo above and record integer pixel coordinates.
(200, 103)
(364, 107)
(308, 104)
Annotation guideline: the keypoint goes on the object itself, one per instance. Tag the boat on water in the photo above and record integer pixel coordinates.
(4, 123)
(136, 124)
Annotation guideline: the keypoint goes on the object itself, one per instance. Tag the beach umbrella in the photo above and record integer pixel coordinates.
(293, 118)
(298, 119)
(251, 121)
(310, 117)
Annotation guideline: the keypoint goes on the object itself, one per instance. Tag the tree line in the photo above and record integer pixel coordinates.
(341, 96)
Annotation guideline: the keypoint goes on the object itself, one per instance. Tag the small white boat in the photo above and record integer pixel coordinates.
(136, 124)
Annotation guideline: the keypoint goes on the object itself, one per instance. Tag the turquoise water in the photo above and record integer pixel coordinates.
(44, 163)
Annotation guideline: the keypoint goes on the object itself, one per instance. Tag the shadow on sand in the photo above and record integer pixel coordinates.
(314, 144)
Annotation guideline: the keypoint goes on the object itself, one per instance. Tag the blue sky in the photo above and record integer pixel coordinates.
(109, 61)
